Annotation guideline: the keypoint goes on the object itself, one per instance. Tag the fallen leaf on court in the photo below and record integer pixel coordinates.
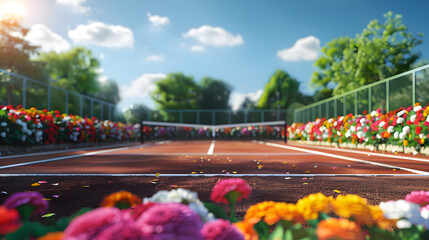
(3, 192)
(285, 163)
(194, 161)
(35, 184)
(157, 174)
(334, 168)
(48, 215)
(85, 186)
(42, 182)
(208, 160)
(173, 185)
(293, 165)
(230, 160)
(306, 171)
(228, 173)
(287, 173)
(394, 169)
(54, 184)
(260, 166)
(234, 172)
(201, 172)
(304, 178)
(55, 196)
(155, 180)
(47, 199)
(224, 170)
(315, 166)
(287, 178)
(193, 172)
(305, 183)
(348, 165)
(337, 191)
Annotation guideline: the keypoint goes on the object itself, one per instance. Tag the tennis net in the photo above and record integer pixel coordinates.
(165, 130)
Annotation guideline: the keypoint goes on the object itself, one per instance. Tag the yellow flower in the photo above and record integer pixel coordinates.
(334, 228)
(405, 142)
(52, 236)
(282, 211)
(122, 200)
(379, 219)
(312, 205)
(348, 206)
(246, 228)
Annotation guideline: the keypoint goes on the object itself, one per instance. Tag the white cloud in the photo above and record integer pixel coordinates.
(198, 48)
(305, 49)
(103, 34)
(101, 56)
(40, 35)
(155, 58)
(157, 21)
(214, 36)
(77, 5)
(141, 87)
(237, 99)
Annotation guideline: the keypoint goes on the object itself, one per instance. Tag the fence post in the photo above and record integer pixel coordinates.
(101, 111)
(262, 115)
(245, 115)
(387, 97)
(369, 100)
(213, 118)
(24, 92)
(92, 107)
(344, 106)
(414, 87)
(356, 104)
(180, 116)
(66, 109)
(335, 109)
(198, 116)
(49, 97)
(81, 105)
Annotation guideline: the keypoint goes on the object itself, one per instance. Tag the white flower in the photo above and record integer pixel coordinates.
(348, 134)
(402, 135)
(3, 124)
(183, 196)
(417, 108)
(396, 135)
(4, 108)
(335, 123)
(330, 120)
(3, 134)
(400, 113)
(404, 211)
(353, 128)
(381, 124)
(373, 113)
(406, 129)
(427, 119)
(360, 134)
(413, 118)
(400, 120)
(421, 135)
(362, 120)
(390, 129)
(378, 136)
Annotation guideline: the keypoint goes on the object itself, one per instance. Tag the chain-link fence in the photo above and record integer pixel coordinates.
(16, 89)
(401, 90)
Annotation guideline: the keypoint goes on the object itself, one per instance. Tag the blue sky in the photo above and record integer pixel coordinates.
(240, 42)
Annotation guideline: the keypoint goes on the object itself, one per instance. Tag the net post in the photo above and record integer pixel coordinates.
(286, 127)
(141, 133)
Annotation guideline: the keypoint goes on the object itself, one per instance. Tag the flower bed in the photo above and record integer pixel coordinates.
(404, 127)
(42, 127)
(179, 214)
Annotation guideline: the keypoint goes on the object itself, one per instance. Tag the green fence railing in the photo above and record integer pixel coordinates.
(401, 90)
(16, 89)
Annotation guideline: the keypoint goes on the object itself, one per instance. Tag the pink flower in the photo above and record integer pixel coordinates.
(225, 186)
(171, 221)
(103, 224)
(419, 197)
(221, 230)
(34, 199)
(9, 220)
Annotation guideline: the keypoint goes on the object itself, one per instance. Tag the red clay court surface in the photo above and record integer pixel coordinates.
(276, 171)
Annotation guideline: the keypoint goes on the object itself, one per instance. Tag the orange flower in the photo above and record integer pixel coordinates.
(256, 212)
(52, 236)
(405, 142)
(9, 220)
(246, 228)
(282, 211)
(334, 228)
(121, 200)
(379, 219)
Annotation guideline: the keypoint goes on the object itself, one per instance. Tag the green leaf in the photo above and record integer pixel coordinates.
(25, 211)
(262, 229)
(278, 233)
(216, 210)
(30, 230)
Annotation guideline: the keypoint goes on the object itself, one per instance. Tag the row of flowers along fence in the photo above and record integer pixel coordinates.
(401, 90)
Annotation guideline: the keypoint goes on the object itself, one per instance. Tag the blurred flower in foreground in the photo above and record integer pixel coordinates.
(407, 213)
(419, 197)
(121, 200)
(334, 228)
(9, 220)
(221, 230)
(52, 236)
(27, 203)
(312, 205)
(350, 205)
(247, 230)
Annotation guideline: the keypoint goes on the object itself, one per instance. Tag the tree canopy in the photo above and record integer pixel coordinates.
(108, 91)
(280, 91)
(380, 51)
(136, 113)
(214, 94)
(74, 70)
(176, 91)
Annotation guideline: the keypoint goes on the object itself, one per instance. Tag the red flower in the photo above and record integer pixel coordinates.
(225, 186)
(9, 220)
(418, 130)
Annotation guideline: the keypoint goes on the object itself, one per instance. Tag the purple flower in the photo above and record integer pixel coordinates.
(103, 224)
(171, 221)
(419, 197)
(221, 230)
(31, 198)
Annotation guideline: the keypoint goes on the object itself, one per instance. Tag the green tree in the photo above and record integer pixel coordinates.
(108, 91)
(380, 51)
(214, 94)
(280, 91)
(176, 91)
(74, 70)
(321, 94)
(136, 113)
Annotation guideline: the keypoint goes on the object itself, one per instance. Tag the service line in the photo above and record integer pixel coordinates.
(342, 157)
(211, 148)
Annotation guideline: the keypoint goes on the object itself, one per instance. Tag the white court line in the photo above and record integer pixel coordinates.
(217, 154)
(207, 175)
(343, 157)
(211, 148)
(372, 153)
(66, 151)
(76, 156)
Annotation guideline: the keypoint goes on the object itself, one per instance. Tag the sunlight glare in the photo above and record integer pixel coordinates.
(12, 10)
